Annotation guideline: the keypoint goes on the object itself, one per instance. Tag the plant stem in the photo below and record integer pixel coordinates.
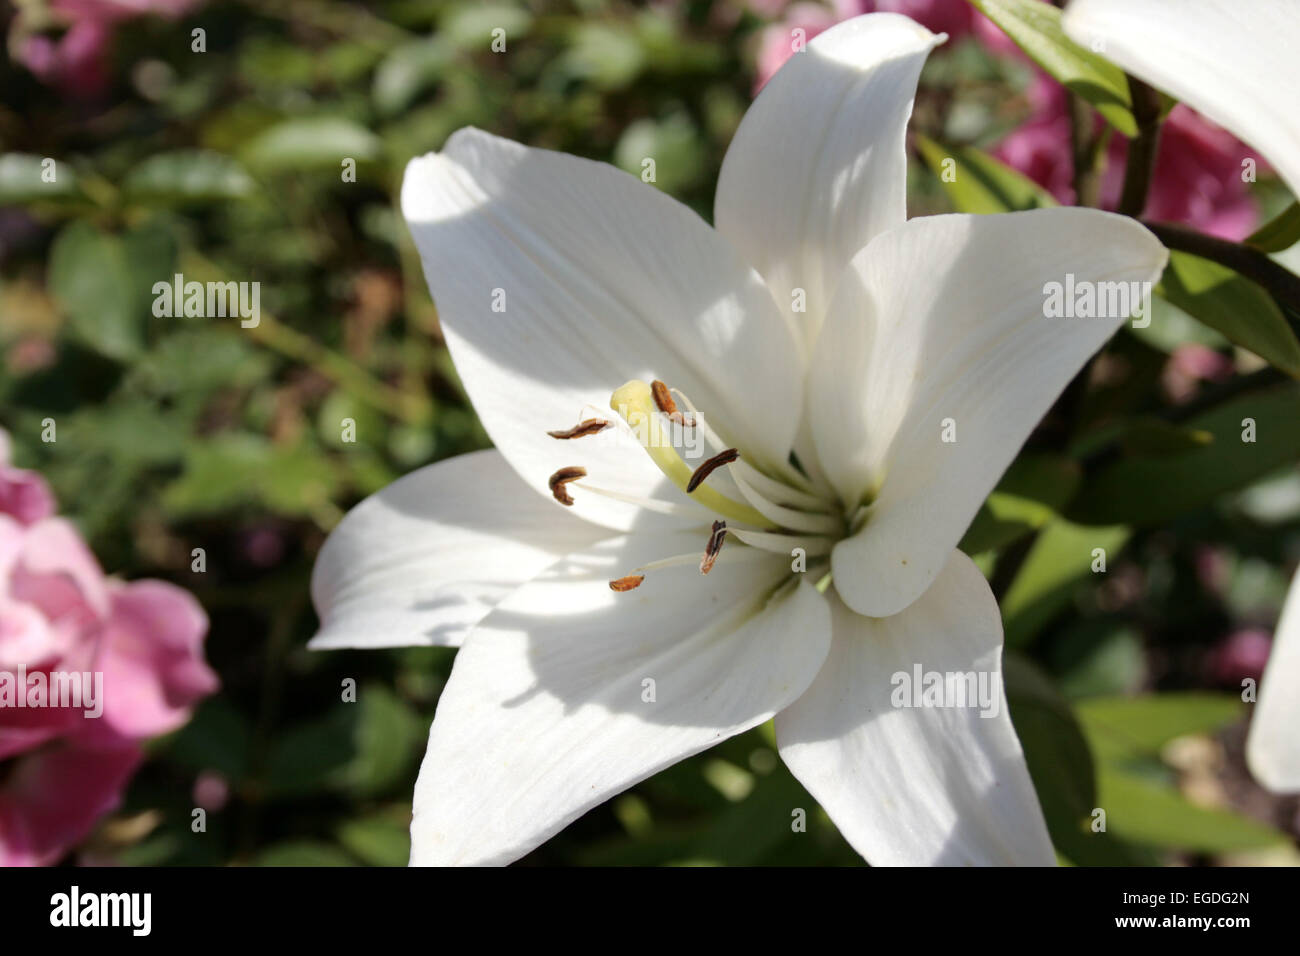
(1083, 147)
(1141, 149)
(1280, 282)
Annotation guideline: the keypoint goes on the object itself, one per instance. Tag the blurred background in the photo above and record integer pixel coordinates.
(210, 139)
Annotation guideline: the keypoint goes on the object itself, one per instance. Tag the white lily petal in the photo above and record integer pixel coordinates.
(545, 715)
(943, 318)
(1273, 744)
(420, 562)
(917, 785)
(1234, 62)
(558, 279)
(818, 166)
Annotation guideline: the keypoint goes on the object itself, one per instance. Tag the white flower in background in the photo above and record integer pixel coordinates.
(1273, 744)
(1234, 61)
(564, 287)
(1239, 64)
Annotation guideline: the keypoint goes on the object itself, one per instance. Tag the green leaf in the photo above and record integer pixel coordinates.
(406, 72)
(1147, 435)
(1055, 750)
(1057, 562)
(230, 470)
(22, 180)
(200, 361)
(977, 183)
(219, 737)
(1154, 489)
(185, 177)
(1029, 495)
(387, 738)
(91, 279)
(1171, 328)
(1151, 813)
(364, 748)
(607, 56)
(379, 840)
(1280, 232)
(1125, 727)
(1061, 766)
(312, 143)
(1232, 305)
(303, 853)
(1036, 28)
(1097, 656)
(470, 26)
(673, 143)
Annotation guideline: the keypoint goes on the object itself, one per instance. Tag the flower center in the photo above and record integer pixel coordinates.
(762, 512)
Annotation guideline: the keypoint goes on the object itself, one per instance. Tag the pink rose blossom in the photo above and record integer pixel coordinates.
(24, 495)
(52, 798)
(77, 61)
(60, 614)
(1197, 177)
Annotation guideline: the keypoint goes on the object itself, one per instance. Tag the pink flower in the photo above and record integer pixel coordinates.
(24, 495)
(52, 798)
(1197, 177)
(1240, 655)
(77, 61)
(780, 41)
(136, 649)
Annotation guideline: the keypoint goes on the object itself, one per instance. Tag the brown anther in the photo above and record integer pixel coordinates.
(561, 478)
(706, 469)
(664, 400)
(588, 426)
(714, 546)
(631, 582)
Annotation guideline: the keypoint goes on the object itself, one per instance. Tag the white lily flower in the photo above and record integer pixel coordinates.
(564, 287)
(1273, 743)
(1232, 61)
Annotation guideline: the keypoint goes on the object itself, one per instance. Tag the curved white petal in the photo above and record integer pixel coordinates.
(939, 331)
(918, 785)
(1233, 61)
(420, 562)
(818, 166)
(558, 279)
(547, 713)
(1273, 744)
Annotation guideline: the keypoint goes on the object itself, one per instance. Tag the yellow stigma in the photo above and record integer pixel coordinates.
(635, 403)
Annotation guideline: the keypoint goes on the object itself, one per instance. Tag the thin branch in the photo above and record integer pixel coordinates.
(1280, 282)
(1084, 150)
(1141, 149)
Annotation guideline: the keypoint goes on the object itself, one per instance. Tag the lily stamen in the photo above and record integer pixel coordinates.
(588, 426)
(635, 402)
(627, 583)
(714, 546)
(664, 401)
(708, 467)
(561, 478)
(771, 489)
